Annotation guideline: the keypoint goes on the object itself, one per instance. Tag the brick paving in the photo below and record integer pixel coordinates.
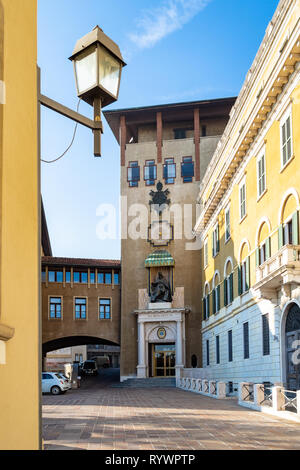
(100, 417)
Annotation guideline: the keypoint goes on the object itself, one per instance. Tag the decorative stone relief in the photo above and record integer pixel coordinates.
(143, 299)
(152, 333)
(178, 298)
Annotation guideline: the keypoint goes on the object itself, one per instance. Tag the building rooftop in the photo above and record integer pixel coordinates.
(212, 108)
(81, 262)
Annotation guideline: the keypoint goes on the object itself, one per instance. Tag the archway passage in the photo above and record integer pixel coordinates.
(292, 341)
(69, 341)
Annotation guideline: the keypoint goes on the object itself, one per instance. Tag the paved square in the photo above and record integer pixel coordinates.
(98, 416)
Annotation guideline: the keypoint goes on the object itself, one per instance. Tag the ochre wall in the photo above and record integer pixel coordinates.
(105, 329)
(20, 246)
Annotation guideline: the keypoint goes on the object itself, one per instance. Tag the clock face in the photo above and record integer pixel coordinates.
(161, 333)
(160, 233)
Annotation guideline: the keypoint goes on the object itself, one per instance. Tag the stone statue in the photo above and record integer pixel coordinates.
(160, 289)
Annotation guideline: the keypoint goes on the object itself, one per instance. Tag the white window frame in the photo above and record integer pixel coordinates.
(287, 115)
(244, 202)
(227, 211)
(263, 176)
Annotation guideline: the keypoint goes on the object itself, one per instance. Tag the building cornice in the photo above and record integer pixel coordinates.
(6, 332)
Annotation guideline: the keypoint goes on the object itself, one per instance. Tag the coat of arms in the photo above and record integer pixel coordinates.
(159, 198)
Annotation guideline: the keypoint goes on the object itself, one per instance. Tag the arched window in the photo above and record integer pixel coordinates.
(205, 302)
(228, 282)
(263, 250)
(288, 232)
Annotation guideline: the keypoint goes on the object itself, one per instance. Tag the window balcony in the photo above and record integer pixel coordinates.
(280, 270)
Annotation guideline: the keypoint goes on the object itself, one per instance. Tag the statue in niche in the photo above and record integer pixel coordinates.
(160, 290)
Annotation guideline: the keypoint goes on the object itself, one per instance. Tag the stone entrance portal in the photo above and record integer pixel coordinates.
(161, 340)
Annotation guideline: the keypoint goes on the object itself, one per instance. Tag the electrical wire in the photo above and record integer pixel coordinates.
(72, 141)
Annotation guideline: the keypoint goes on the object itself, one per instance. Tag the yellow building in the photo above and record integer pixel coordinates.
(249, 223)
(19, 215)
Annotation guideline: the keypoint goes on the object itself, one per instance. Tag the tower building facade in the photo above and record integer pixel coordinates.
(165, 151)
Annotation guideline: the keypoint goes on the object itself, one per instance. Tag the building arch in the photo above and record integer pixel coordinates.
(283, 344)
(290, 192)
(216, 277)
(228, 261)
(69, 341)
(206, 289)
(244, 242)
(263, 221)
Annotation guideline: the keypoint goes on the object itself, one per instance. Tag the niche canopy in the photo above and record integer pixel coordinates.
(98, 64)
(159, 258)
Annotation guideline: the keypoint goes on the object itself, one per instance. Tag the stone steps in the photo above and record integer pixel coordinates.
(147, 383)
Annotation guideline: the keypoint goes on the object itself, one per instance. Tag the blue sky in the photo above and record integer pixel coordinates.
(176, 50)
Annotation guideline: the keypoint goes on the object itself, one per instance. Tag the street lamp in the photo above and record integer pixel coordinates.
(98, 65)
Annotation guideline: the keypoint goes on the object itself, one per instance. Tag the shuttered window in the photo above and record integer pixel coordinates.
(227, 224)
(246, 340)
(261, 175)
(242, 201)
(266, 334)
(244, 276)
(286, 141)
(215, 241)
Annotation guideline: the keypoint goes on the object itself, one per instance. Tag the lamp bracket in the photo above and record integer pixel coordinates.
(69, 113)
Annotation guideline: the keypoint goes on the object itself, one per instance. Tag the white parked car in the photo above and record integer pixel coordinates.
(55, 383)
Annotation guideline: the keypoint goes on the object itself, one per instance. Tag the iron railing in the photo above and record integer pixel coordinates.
(290, 401)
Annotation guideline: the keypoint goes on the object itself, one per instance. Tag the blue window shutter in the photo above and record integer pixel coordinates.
(248, 273)
(218, 304)
(204, 308)
(231, 287)
(239, 280)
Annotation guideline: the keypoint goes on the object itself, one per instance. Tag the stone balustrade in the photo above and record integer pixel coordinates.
(273, 400)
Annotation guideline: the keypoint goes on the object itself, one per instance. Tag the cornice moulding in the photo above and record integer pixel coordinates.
(6, 332)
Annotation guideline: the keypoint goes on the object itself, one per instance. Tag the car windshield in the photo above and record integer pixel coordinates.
(89, 365)
(59, 376)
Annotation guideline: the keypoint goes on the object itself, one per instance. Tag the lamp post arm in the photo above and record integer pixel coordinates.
(69, 113)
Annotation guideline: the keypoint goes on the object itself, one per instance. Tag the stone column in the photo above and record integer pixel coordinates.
(179, 361)
(179, 343)
(141, 368)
